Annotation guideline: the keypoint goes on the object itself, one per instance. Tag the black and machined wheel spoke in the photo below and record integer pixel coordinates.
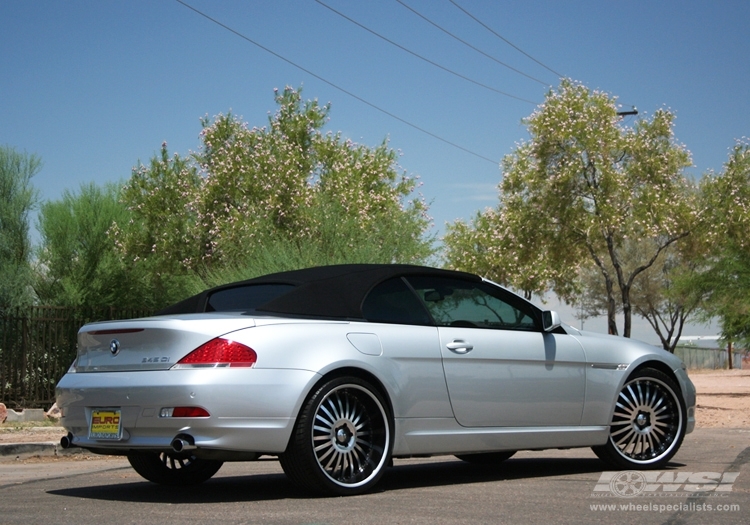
(342, 440)
(345, 406)
(653, 400)
(332, 416)
(627, 404)
(647, 420)
(346, 439)
(619, 431)
(633, 399)
(641, 400)
(628, 440)
(662, 401)
(326, 418)
(327, 447)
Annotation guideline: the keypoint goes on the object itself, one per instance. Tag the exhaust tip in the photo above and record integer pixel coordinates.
(183, 442)
(67, 440)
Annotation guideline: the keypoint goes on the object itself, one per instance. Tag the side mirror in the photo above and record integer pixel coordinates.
(550, 320)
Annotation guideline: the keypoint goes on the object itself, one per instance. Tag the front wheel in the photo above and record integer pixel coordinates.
(342, 439)
(171, 468)
(648, 423)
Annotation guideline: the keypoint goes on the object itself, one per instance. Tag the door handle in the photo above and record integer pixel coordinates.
(459, 346)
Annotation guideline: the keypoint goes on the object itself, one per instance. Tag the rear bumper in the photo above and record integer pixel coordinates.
(251, 410)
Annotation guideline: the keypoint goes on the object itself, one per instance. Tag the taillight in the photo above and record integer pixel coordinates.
(219, 353)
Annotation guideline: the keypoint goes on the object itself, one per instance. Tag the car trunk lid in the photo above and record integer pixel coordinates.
(149, 344)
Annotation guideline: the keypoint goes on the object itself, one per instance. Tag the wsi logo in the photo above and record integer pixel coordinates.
(655, 483)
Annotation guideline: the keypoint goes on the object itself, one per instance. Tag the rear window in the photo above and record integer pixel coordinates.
(248, 297)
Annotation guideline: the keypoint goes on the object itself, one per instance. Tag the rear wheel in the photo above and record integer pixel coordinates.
(342, 440)
(486, 458)
(171, 468)
(648, 423)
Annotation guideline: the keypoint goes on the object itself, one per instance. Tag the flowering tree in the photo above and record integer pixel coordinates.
(256, 200)
(290, 183)
(573, 194)
(161, 199)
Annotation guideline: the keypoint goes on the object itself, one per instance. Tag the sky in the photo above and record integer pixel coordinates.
(94, 87)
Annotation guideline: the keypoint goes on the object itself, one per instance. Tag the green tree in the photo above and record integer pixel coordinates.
(259, 200)
(656, 295)
(290, 184)
(77, 261)
(157, 242)
(723, 282)
(573, 194)
(17, 199)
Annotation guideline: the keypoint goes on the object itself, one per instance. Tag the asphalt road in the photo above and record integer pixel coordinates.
(547, 487)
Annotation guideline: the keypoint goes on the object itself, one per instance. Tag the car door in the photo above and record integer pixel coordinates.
(501, 369)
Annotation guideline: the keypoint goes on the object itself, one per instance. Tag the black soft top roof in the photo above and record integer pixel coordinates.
(323, 291)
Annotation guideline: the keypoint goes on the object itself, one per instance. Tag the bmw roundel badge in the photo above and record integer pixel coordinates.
(114, 346)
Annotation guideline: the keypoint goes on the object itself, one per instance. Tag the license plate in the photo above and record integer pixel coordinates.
(106, 423)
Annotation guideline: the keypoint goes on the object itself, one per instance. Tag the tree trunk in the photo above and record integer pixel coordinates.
(627, 311)
(729, 354)
(611, 307)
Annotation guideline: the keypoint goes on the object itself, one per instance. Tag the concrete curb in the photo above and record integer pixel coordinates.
(13, 451)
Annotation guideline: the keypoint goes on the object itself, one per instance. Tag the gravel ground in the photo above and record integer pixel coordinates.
(723, 402)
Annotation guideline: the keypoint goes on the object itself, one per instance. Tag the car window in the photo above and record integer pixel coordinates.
(246, 297)
(393, 302)
(453, 302)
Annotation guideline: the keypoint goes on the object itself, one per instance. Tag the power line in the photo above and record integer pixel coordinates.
(501, 37)
(423, 17)
(459, 75)
(393, 116)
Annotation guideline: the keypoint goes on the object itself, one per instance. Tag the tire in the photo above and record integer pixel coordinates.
(342, 443)
(170, 468)
(648, 423)
(486, 458)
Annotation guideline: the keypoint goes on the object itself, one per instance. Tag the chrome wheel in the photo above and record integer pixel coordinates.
(171, 462)
(648, 422)
(169, 468)
(343, 439)
(349, 435)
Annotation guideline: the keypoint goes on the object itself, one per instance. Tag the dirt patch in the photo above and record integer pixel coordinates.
(27, 433)
(723, 398)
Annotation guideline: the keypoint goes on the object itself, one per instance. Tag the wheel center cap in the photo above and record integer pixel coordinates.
(642, 420)
(341, 435)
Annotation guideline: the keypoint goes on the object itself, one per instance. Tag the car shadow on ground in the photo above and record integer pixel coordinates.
(276, 486)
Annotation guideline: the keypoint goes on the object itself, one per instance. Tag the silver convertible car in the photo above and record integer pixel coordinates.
(339, 369)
